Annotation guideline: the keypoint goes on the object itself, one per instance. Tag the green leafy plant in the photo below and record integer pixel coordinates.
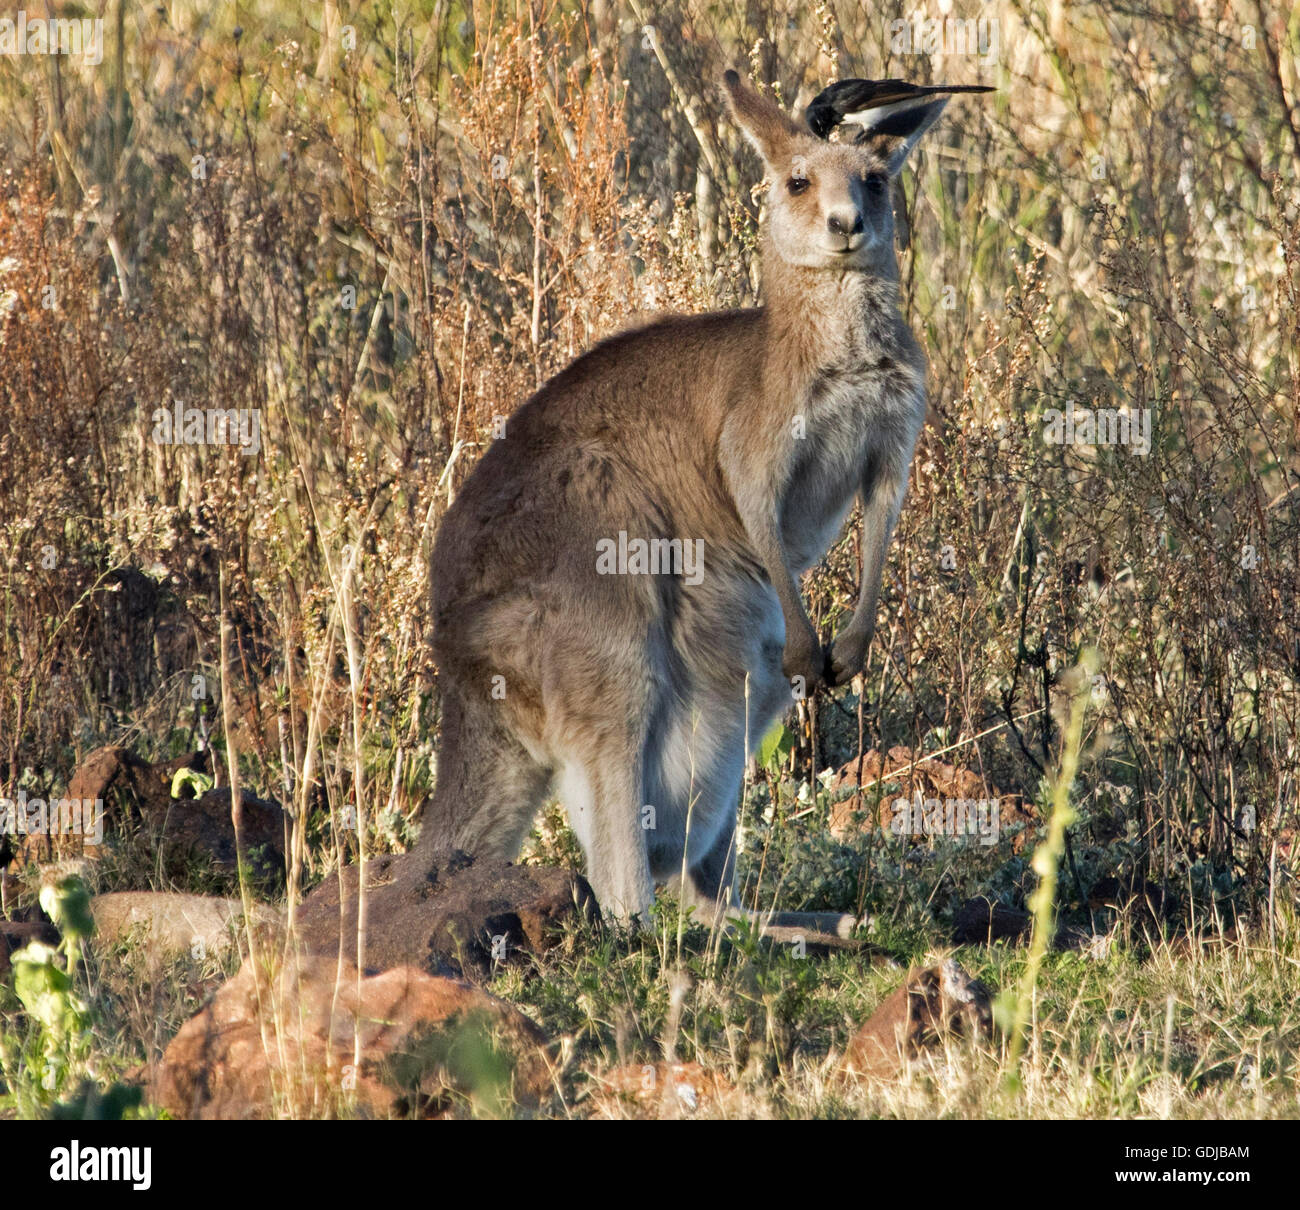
(198, 783)
(54, 1056)
(775, 749)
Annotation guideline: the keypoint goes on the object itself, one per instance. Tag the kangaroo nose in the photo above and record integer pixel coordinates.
(845, 222)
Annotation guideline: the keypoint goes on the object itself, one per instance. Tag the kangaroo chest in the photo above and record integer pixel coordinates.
(852, 423)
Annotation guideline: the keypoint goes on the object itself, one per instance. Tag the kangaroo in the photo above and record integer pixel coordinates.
(742, 436)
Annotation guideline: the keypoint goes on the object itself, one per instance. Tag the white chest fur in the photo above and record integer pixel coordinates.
(852, 423)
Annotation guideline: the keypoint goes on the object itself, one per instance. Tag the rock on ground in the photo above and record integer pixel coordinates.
(935, 1005)
(980, 921)
(126, 786)
(924, 778)
(15, 934)
(662, 1090)
(174, 922)
(283, 1046)
(453, 915)
(205, 826)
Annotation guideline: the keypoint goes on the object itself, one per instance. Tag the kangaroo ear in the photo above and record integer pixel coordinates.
(897, 133)
(770, 130)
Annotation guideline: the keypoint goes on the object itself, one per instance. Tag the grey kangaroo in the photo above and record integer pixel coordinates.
(743, 436)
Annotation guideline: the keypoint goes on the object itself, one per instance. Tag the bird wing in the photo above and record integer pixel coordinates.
(869, 103)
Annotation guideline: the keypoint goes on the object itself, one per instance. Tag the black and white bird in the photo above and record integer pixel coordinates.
(875, 105)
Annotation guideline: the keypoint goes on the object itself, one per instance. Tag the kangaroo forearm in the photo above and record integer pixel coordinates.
(882, 500)
(772, 553)
(753, 499)
(863, 620)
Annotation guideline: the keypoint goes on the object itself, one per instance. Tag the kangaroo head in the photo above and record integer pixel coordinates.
(830, 204)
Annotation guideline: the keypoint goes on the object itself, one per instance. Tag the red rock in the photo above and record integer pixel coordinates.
(917, 776)
(661, 1090)
(284, 1047)
(935, 1004)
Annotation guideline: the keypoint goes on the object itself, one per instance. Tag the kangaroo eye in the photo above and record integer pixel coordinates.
(877, 182)
(797, 185)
